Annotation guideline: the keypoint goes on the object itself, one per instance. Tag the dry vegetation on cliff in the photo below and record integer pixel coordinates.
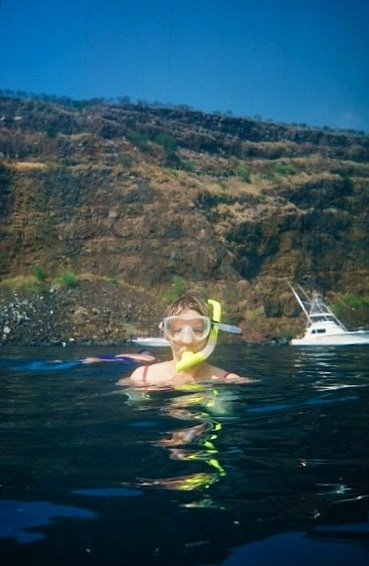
(154, 198)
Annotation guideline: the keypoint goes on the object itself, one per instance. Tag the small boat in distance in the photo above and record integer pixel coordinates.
(150, 342)
(323, 328)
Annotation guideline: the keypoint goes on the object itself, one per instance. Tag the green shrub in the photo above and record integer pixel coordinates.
(177, 288)
(284, 169)
(39, 273)
(187, 166)
(140, 140)
(68, 279)
(169, 144)
(51, 131)
(352, 301)
(126, 161)
(287, 334)
(243, 173)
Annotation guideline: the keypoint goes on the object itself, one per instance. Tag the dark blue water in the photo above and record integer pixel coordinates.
(276, 472)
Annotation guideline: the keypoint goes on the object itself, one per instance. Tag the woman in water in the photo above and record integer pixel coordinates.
(190, 331)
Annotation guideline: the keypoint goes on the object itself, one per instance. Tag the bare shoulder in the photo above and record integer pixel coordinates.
(155, 374)
(137, 377)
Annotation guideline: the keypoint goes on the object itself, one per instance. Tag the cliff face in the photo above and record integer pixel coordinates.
(140, 196)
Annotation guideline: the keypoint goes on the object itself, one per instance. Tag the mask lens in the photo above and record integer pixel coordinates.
(178, 328)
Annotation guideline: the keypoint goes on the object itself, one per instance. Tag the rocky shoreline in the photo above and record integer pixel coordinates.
(99, 314)
(94, 313)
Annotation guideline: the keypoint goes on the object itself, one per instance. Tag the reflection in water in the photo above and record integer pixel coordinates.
(17, 517)
(299, 548)
(195, 443)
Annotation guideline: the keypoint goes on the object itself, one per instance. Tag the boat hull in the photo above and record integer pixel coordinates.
(344, 339)
(151, 342)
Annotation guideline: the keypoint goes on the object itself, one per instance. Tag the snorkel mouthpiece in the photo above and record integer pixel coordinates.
(190, 359)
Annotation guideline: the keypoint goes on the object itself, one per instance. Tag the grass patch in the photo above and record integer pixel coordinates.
(27, 283)
(352, 301)
(173, 172)
(253, 315)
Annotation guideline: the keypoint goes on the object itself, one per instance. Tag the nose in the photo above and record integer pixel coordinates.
(186, 335)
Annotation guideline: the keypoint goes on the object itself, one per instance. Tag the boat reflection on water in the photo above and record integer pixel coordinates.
(195, 443)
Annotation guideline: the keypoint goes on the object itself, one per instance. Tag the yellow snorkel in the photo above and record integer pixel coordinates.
(190, 359)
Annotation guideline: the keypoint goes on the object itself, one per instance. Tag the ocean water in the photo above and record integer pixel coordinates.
(273, 472)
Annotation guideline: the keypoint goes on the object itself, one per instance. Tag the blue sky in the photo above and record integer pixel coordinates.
(291, 61)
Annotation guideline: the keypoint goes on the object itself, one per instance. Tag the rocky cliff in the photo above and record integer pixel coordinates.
(135, 203)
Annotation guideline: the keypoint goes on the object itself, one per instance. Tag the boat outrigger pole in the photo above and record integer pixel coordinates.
(298, 299)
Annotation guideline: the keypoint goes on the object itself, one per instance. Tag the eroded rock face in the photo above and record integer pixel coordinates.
(234, 207)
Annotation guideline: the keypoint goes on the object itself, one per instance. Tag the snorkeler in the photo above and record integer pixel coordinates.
(191, 327)
(144, 356)
(141, 356)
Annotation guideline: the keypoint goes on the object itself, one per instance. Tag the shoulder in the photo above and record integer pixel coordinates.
(155, 374)
(139, 375)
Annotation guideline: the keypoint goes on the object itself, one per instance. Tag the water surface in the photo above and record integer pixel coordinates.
(273, 472)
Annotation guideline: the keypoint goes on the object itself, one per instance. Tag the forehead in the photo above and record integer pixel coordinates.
(187, 314)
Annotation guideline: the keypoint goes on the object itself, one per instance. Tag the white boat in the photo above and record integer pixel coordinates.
(323, 328)
(150, 341)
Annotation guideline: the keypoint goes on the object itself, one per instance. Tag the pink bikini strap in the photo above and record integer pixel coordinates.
(144, 374)
(226, 375)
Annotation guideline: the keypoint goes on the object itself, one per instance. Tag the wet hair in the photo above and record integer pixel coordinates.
(189, 301)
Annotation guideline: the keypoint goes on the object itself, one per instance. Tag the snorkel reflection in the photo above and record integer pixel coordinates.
(203, 409)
